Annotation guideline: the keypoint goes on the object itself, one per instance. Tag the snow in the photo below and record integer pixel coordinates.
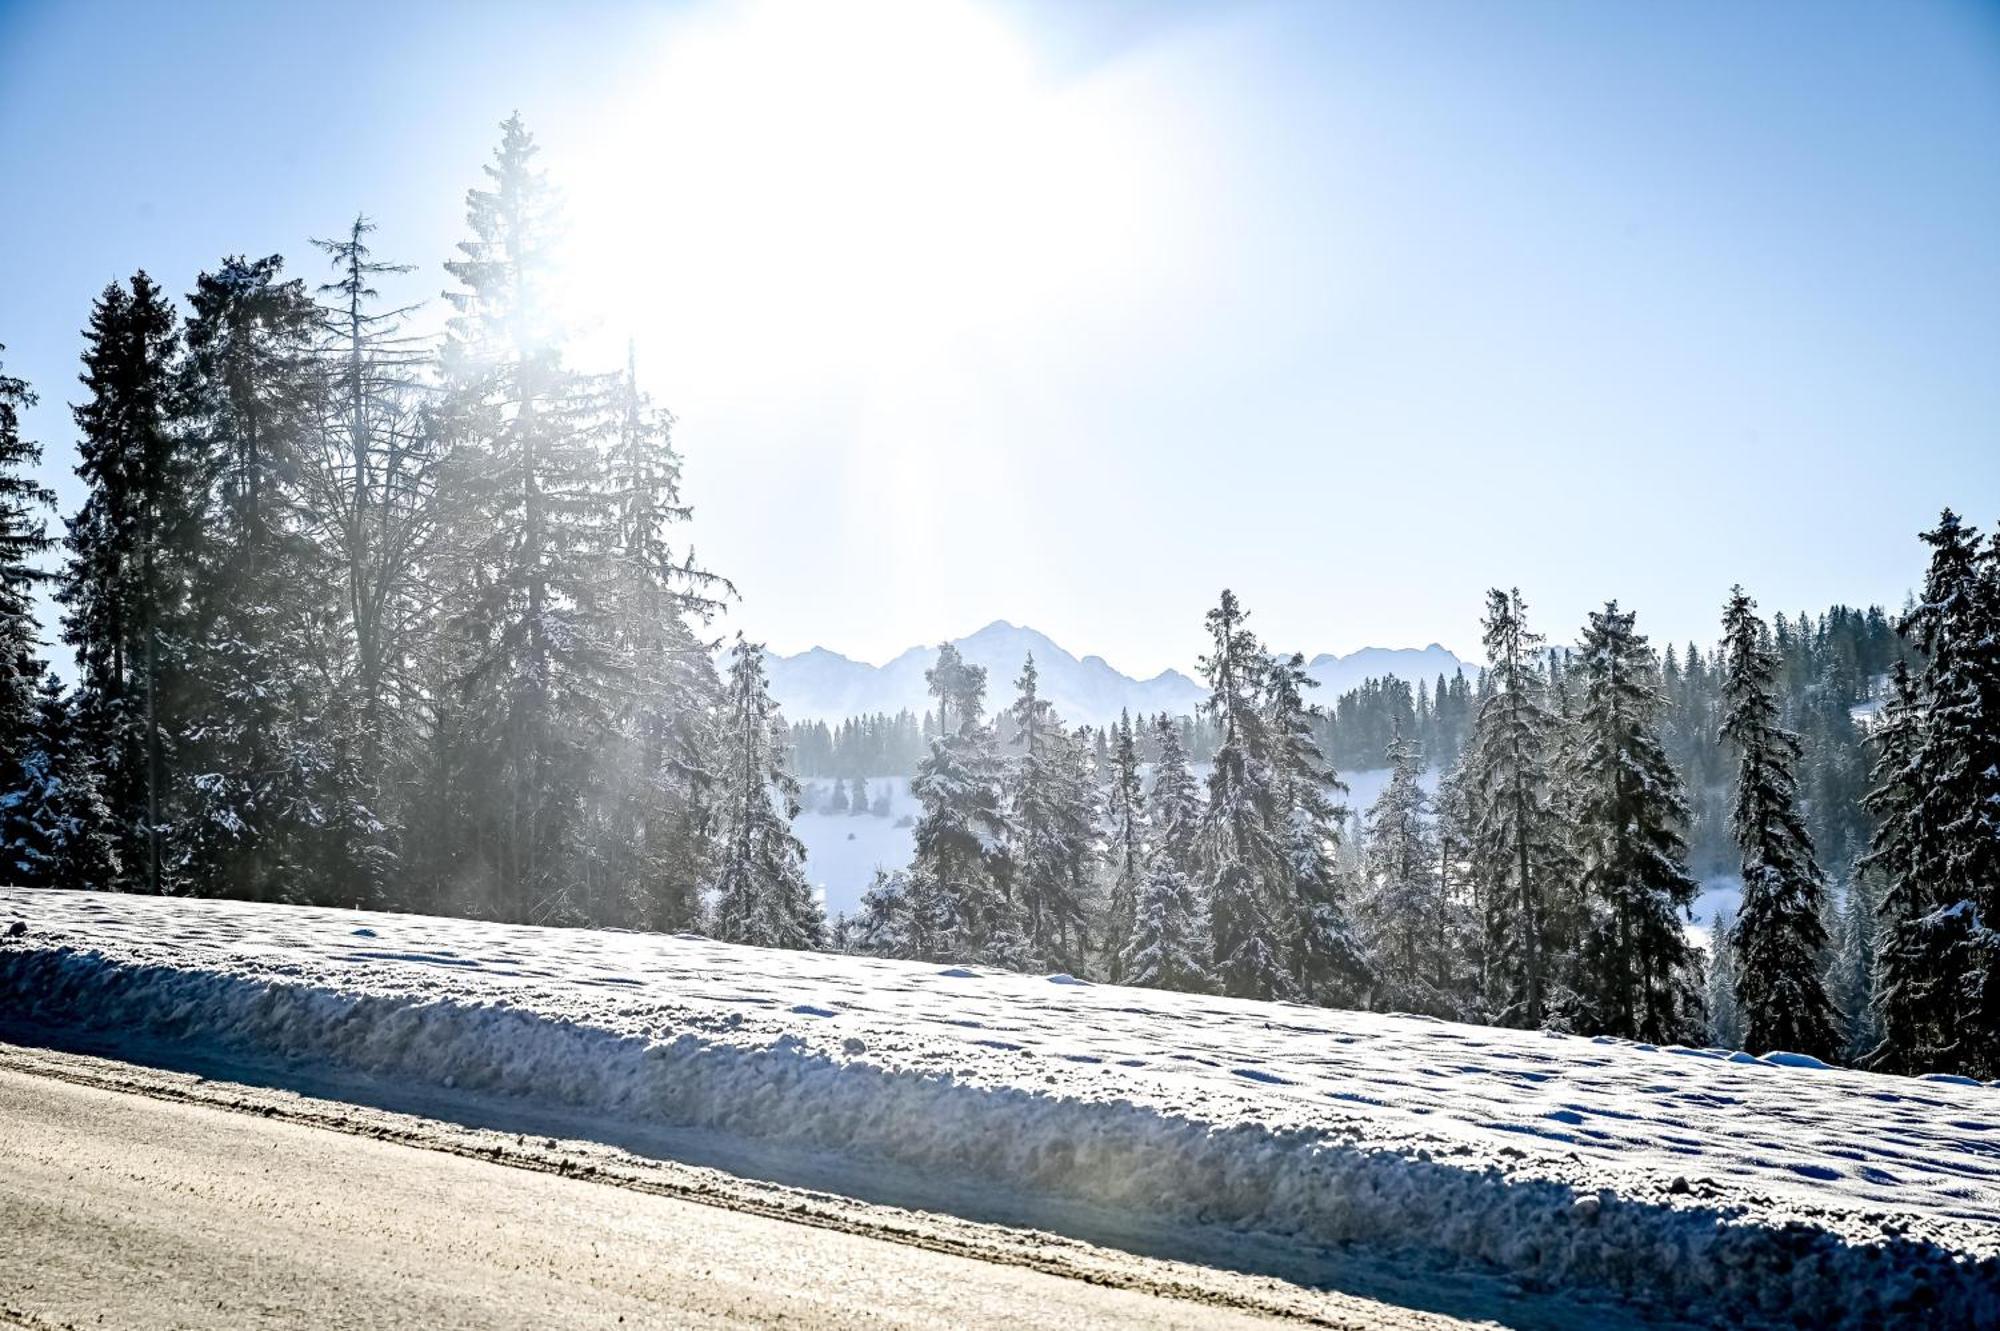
(1752, 1190)
(843, 850)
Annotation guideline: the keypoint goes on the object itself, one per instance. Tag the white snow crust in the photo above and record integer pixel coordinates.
(1722, 1187)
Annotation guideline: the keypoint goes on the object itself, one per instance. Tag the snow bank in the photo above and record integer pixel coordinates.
(1735, 1191)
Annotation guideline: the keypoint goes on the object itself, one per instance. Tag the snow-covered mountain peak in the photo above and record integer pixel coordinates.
(822, 685)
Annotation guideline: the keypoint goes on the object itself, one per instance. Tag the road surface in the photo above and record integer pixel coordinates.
(132, 1198)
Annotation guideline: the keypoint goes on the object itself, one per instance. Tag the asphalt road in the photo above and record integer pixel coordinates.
(129, 1199)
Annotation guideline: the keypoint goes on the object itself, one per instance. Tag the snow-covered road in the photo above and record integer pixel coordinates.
(1677, 1175)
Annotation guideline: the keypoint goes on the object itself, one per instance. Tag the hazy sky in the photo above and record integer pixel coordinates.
(1073, 314)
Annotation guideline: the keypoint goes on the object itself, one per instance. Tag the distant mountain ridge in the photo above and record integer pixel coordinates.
(822, 685)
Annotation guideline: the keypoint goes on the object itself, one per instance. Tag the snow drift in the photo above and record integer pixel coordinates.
(1728, 1188)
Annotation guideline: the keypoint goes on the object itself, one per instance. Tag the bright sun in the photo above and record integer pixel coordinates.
(838, 189)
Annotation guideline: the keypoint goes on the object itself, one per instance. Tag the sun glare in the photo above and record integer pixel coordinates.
(834, 190)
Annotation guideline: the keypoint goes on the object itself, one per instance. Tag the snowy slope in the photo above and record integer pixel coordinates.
(820, 685)
(843, 850)
(1730, 1190)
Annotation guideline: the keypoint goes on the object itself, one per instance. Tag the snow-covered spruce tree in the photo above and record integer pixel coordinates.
(1916, 991)
(1173, 801)
(1124, 843)
(1242, 854)
(761, 895)
(534, 589)
(1637, 969)
(1938, 802)
(1411, 925)
(266, 800)
(1514, 842)
(1778, 934)
(33, 739)
(887, 924)
(1052, 806)
(1327, 962)
(54, 828)
(1169, 946)
(652, 784)
(132, 553)
(23, 539)
(959, 881)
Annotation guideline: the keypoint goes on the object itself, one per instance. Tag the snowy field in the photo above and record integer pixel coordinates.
(1728, 1189)
(843, 850)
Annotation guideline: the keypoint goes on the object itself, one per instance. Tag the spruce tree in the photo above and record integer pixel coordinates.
(1638, 965)
(1412, 926)
(1173, 801)
(23, 539)
(527, 490)
(761, 895)
(54, 828)
(1514, 841)
(890, 923)
(1916, 993)
(1243, 857)
(1937, 800)
(1169, 945)
(133, 549)
(263, 799)
(28, 830)
(1052, 812)
(1778, 935)
(1124, 842)
(958, 888)
(1326, 958)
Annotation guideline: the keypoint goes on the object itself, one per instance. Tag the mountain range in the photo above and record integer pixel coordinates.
(822, 685)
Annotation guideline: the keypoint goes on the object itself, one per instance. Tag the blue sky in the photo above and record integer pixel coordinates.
(1073, 314)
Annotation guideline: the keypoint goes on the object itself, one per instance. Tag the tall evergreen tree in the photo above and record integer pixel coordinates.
(958, 888)
(1638, 963)
(23, 539)
(1173, 801)
(264, 803)
(1042, 806)
(1938, 799)
(132, 550)
(1243, 855)
(1514, 841)
(1325, 957)
(528, 494)
(1124, 842)
(761, 895)
(1916, 992)
(1778, 936)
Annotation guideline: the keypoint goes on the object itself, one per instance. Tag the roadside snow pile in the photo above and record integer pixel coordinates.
(1738, 1190)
